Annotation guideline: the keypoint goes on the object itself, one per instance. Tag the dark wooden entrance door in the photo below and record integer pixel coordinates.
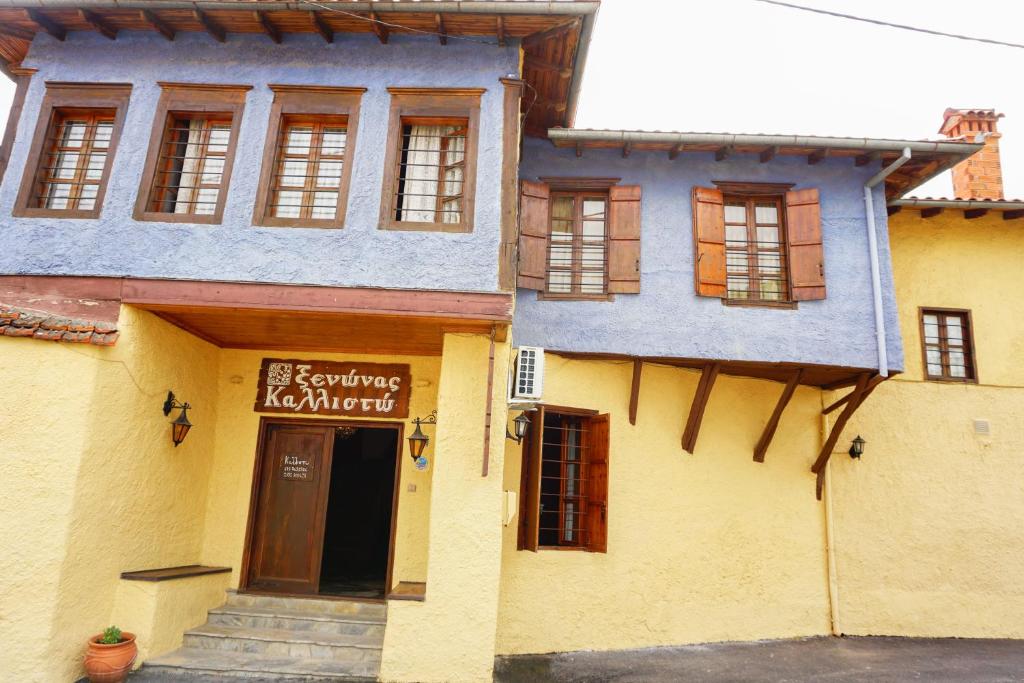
(287, 536)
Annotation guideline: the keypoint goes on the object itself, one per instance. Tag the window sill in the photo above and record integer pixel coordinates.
(553, 296)
(202, 219)
(745, 303)
(951, 380)
(55, 213)
(297, 223)
(411, 226)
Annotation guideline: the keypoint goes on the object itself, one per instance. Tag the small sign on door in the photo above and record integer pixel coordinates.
(296, 468)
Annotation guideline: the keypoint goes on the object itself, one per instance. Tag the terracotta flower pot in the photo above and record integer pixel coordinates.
(110, 663)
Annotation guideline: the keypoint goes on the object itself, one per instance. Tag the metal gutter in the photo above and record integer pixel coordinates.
(964, 149)
(564, 7)
(580, 63)
(1008, 205)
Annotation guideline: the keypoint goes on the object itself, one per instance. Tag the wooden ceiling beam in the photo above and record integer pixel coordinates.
(865, 159)
(94, 20)
(817, 156)
(931, 212)
(699, 404)
(157, 24)
(1012, 215)
(773, 422)
(379, 29)
(502, 41)
(46, 23)
(211, 26)
(675, 151)
(321, 27)
(442, 34)
(634, 390)
(267, 27)
(768, 154)
(723, 153)
(971, 214)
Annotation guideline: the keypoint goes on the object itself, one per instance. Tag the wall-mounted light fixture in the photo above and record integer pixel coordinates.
(181, 425)
(418, 440)
(857, 447)
(522, 425)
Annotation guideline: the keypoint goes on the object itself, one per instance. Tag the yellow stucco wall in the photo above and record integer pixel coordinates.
(92, 485)
(929, 525)
(703, 547)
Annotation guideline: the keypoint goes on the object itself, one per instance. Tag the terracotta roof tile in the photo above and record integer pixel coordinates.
(23, 322)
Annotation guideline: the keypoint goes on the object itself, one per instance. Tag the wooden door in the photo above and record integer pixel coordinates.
(287, 537)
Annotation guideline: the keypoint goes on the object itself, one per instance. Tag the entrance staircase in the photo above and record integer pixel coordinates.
(278, 638)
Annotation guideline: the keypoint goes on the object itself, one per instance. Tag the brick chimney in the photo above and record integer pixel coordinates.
(980, 176)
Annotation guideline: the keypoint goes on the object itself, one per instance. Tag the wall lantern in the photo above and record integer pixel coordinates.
(857, 447)
(418, 440)
(181, 425)
(522, 425)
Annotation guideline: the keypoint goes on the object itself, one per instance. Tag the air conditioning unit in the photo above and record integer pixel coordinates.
(528, 374)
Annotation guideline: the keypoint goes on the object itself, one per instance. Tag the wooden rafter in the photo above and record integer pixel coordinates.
(379, 29)
(931, 212)
(893, 210)
(817, 156)
(501, 31)
(158, 25)
(321, 27)
(768, 154)
(211, 26)
(773, 422)
(971, 214)
(579, 150)
(46, 23)
(675, 151)
(1011, 215)
(723, 153)
(634, 390)
(854, 401)
(700, 403)
(93, 19)
(626, 149)
(865, 159)
(442, 34)
(267, 26)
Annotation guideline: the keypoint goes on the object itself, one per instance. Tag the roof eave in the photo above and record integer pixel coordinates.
(576, 7)
(997, 205)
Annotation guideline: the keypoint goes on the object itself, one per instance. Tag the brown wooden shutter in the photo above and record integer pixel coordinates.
(529, 484)
(624, 239)
(534, 226)
(806, 252)
(709, 239)
(597, 485)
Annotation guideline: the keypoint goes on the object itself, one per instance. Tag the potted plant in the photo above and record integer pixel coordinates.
(110, 656)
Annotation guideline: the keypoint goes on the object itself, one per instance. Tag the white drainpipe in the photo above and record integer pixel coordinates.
(876, 278)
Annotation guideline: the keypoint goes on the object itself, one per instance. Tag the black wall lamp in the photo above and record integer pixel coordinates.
(522, 425)
(857, 447)
(418, 440)
(181, 425)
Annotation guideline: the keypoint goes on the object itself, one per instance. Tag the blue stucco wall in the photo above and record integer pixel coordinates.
(358, 255)
(668, 319)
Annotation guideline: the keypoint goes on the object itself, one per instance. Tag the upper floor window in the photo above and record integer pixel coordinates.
(430, 175)
(71, 155)
(191, 153)
(307, 158)
(758, 243)
(579, 238)
(948, 343)
(565, 481)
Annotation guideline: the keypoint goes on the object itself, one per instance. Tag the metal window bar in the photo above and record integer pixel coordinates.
(756, 268)
(577, 263)
(566, 438)
(182, 191)
(947, 346)
(319, 149)
(431, 173)
(71, 171)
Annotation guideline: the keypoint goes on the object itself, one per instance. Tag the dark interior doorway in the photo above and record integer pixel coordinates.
(357, 533)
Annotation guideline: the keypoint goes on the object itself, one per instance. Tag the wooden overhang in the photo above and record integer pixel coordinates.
(241, 315)
(554, 34)
(1009, 209)
(928, 158)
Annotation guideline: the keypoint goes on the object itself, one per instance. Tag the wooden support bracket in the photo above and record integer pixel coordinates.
(157, 23)
(723, 153)
(773, 422)
(675, 151)
(855, 398)
(971, 214)
(321, 27)
(700, 402)
(768, 154)
(1012, 214)
(379, 29)
(267, 27)
(502, 41)
(212, 27)
(816, 156)
(93, 19)
(634, 389)
(47, 24)
(865, 159)
(442, 34)
(931, 212)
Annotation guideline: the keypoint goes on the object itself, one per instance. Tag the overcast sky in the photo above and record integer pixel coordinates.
(744, 67)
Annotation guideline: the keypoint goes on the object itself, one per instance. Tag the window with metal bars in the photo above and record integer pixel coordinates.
(948, 344)
(309, 162)
(432, 171)
(756, 269)
(190, 177)
(577, 261)
(73, 168)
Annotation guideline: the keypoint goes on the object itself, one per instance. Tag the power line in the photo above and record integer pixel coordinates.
(891, 25)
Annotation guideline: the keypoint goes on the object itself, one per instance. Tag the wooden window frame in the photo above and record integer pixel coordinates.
(199, 99)
(750, 199)
(439, 104)
(313, 102)
(62, 96)
(579, 192)
(969, 347)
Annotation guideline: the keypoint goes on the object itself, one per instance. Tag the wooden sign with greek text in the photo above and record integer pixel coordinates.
(318, 387)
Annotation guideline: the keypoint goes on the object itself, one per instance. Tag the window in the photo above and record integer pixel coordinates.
(758, 243)
(565, 481)
(431, 165)
(191, 153)
(306, 163)
(948, 344)
(577, 249)
(69, 164)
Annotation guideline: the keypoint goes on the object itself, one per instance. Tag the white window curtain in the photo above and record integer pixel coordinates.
(183, 201)
(423, 159)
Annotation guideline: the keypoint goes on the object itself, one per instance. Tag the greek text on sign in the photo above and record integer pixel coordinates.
(296, 468)
(316, 387)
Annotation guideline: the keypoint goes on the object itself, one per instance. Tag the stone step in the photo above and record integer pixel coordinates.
(285, 643)
(313, 605)
(196, 665)
(282, 619)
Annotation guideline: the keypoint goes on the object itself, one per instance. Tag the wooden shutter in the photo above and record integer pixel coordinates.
(709, 239)
(534, 225)
(597, 484)
(529, 484)
(806, 252)
(624, 239)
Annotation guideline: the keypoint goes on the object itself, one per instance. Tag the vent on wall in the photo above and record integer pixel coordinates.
(981, 427)
(528, 377)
